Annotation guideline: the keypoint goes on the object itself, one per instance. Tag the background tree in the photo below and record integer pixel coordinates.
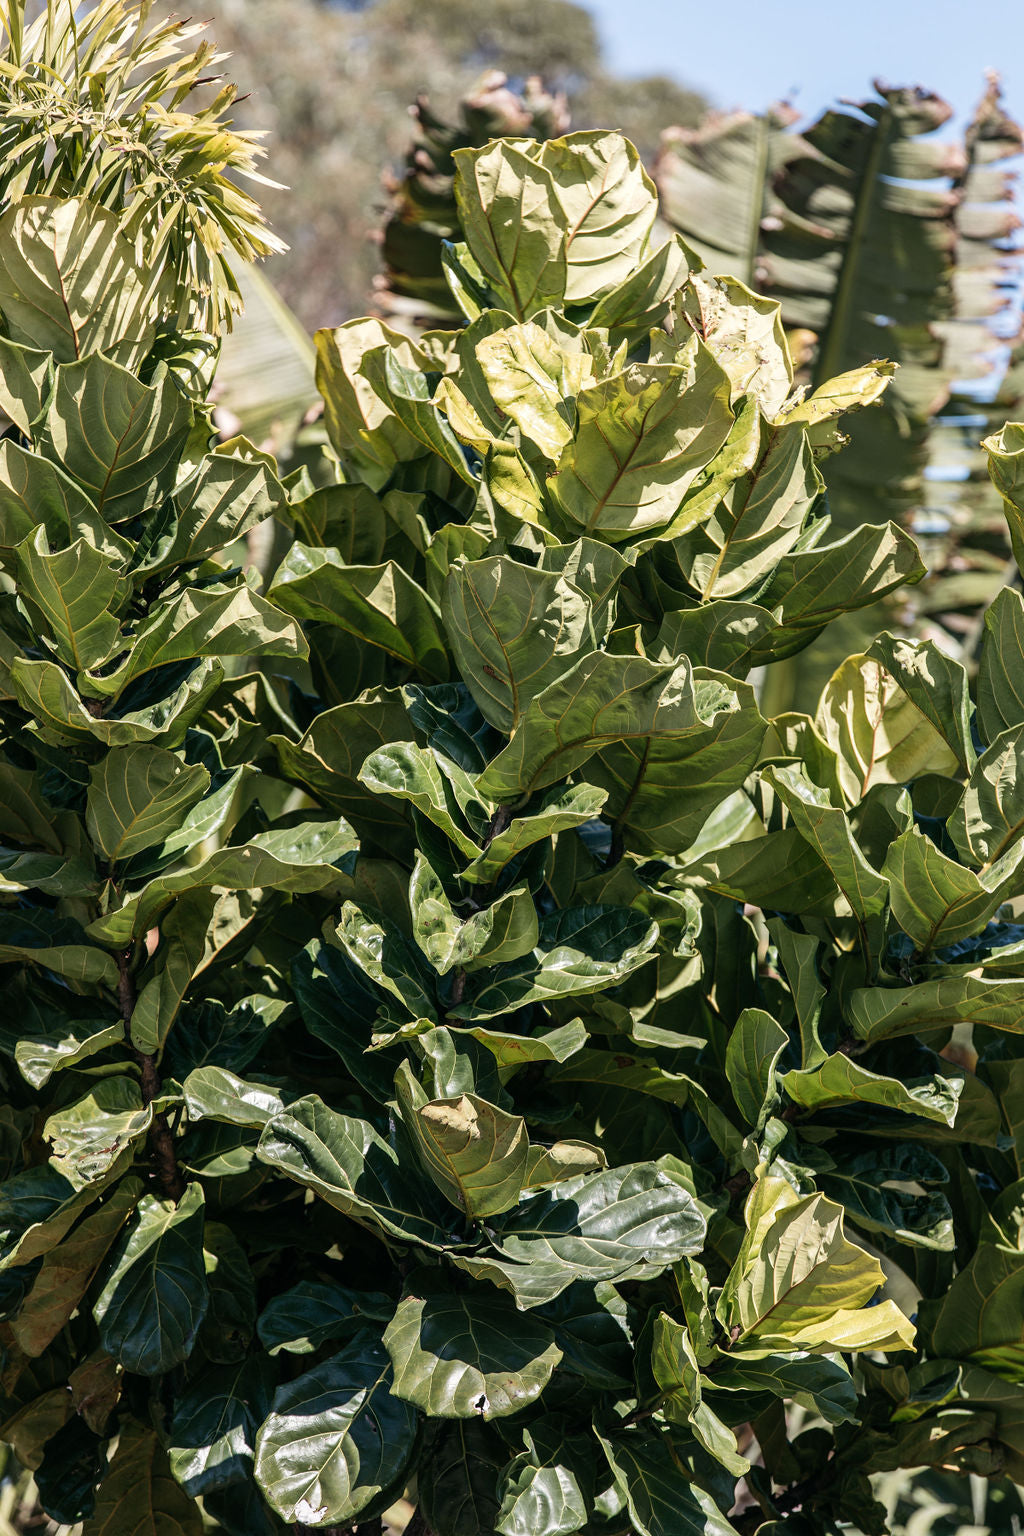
(334, 86)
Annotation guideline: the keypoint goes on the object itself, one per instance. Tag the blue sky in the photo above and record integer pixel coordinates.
(750, 52)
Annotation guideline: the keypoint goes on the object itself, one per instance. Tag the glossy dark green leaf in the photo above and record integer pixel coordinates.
(37, 1207)
(138, 796)
(659, 1495)
(513, 630)
(345, 1162)
(155, 1294)
(213, 1431)
(73, 595)
(621, 1223)
(579, 950)
(876, 1013)
(380, 605)
(751, 1060)
(458, 1356)
(1000, 691)
(838, 1080)
(989, 820)
(313, 1312)
(297, 858)
(872, 1187)
(336, 1438)
(458, 1480)
(73, 1462)
(230, 1321)
(820, 1383)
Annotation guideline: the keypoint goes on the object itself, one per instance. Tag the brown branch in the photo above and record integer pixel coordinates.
(498, 822)
(161, 1141)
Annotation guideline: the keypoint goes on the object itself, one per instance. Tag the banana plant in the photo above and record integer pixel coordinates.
(865, 263)
(828, 221)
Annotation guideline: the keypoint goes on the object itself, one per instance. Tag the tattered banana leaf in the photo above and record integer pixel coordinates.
(423, 214)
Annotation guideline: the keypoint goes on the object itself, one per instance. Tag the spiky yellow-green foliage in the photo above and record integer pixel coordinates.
(101, 106)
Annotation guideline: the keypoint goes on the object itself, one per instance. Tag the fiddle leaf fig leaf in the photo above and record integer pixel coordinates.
(609, 204)
(579, 950)
(119, 439)
(678, 1383)
(225, 497)
(349, 1165)
(876, 730)
(513, 225)
(528, 378)
(838, 1080)
(72, 283)
(1001, 669)
(232, 622)
(602, 698)
(380, 605)
(139, 1478)
(751, 1062)
(69, 1268)
(799, 1283)
(213, 1432)
(89, 1138)
(937, 685)
(820, 1383)
(745, 334)
(138, 796)
(659, 1502)
(504, 931)
(376, 946)
(513, 630)
(934, 899)
(558, 810)
(474, 1152)
(296, 858)
(362, 425)
(662, 789)
(336, 1437)
(642, 437)
(612, 1225)
(26, 380)
(34, 493)
(871, 1188)
(298, 1321)
(155, 1294)
(413, 773)
(877, 1013)
(460, 1357)
(979, 1316)
(75, 592)
(989, 821)
(828, 832)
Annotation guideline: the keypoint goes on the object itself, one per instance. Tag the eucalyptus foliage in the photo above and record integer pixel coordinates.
(507, 1075)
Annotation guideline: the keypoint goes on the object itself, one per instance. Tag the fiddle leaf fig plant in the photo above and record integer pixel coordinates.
(458, 1049)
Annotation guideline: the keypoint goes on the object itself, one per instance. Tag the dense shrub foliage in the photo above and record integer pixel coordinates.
(497, 1065)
